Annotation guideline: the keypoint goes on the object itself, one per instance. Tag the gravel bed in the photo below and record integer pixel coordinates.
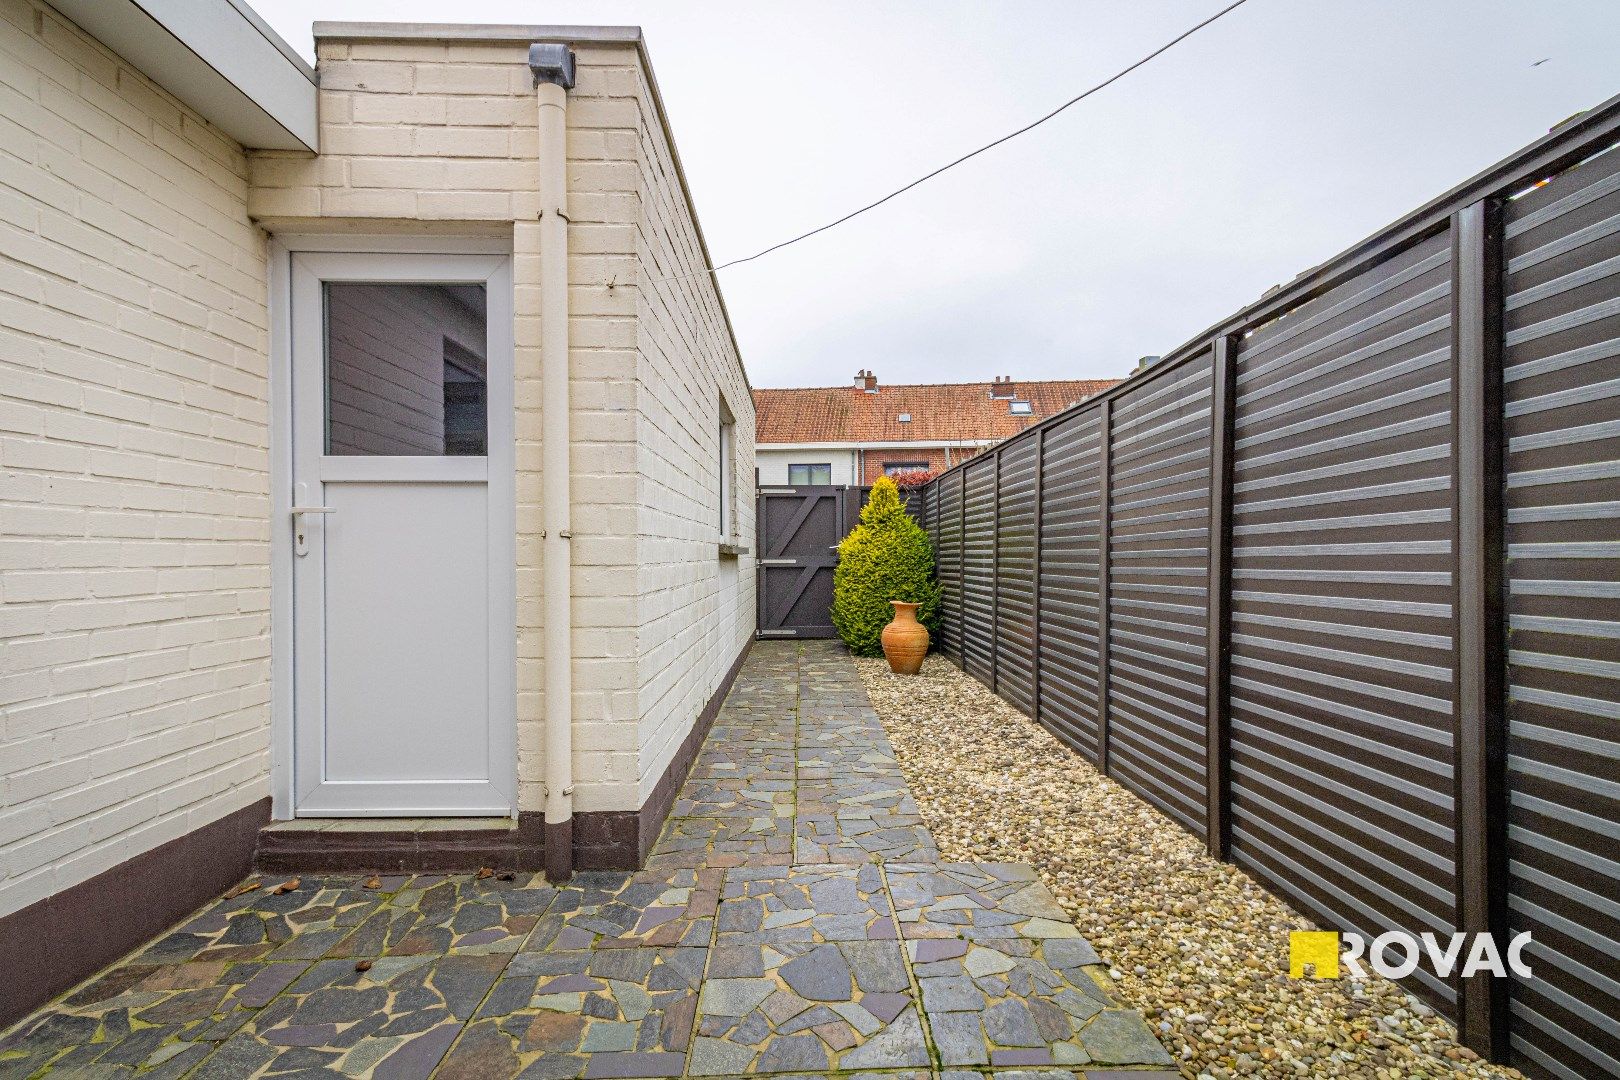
(1197, 945)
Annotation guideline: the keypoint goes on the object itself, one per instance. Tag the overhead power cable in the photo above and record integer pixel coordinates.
(1031, 126)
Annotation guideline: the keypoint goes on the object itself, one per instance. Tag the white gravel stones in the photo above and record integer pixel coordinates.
(1196, 944)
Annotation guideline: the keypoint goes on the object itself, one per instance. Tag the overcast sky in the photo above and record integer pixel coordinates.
(1261, 146)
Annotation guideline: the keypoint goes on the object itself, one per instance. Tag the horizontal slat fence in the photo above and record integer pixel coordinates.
(1069, 636)
(1342, 679)
(1336, 586)
(1015, 576)
(978, 568)
(1562, 407)
(1158, 548)
(947, 528)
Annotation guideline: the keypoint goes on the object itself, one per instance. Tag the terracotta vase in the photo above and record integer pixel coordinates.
(905, 640)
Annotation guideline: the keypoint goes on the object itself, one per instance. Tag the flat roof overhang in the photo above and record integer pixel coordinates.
(218, 57)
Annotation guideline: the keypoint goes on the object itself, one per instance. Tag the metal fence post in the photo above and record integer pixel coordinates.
(1106, 454)
(1218, 640)
(1480, 718)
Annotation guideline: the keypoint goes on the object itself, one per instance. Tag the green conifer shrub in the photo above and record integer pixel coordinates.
(886, 557)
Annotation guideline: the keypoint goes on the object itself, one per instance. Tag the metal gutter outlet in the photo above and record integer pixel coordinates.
(552, 62)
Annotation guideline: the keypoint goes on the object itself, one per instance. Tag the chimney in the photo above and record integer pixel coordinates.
(1002, 387)
(869, 384)
(860, 379)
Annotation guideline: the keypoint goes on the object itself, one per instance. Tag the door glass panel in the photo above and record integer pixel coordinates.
(405, 370)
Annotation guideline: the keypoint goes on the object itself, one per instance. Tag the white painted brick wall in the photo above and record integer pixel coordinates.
(697, 608)
(134, 544)
(421, 134)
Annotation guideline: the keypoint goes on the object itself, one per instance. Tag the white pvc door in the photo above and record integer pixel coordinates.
(402, 523)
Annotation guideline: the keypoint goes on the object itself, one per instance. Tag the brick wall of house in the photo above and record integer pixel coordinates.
(134, 553)
(932, 457)
(434, 135)
(417, 134)
(696, 606)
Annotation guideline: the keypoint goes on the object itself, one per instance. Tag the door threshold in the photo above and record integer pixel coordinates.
(393, 845)
(395, 825)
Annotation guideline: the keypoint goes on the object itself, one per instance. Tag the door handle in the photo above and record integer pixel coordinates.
(300, 541)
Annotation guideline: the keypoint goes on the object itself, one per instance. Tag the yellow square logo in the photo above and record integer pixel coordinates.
(1319, 948)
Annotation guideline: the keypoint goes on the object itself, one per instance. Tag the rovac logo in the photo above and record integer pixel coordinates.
(1326, 954)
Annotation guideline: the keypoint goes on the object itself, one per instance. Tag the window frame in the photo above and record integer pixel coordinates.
(890, 468)
(810, 466)
(727, 469)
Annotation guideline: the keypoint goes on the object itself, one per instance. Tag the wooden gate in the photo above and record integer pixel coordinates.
(799, 530)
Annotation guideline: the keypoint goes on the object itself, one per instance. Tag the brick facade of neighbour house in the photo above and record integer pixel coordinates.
(876, 463)
(138, 733)
(854, 434)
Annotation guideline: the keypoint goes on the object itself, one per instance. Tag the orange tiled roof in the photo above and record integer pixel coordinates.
(940, 412)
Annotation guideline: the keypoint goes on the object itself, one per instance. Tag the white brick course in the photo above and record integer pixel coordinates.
(697, 612)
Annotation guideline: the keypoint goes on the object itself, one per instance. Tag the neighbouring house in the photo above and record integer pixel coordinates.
(374, 448)
(854, 434)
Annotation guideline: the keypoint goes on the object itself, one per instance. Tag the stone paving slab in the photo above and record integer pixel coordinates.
(1006, 979)
(619, 910)
(455, 913)
(594, 1012)
(794, 922)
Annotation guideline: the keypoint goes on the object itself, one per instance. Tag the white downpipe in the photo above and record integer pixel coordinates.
(555, 494)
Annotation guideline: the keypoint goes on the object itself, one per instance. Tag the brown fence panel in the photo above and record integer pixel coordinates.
(948, 563)
(1562, 393)
(1342, 602)
(979, 568)
(928, 515)
(1401, 503)
(1015, 576)
(1158, 590)
(1071, 558)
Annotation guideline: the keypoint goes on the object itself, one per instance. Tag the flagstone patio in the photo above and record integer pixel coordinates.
(793, 920)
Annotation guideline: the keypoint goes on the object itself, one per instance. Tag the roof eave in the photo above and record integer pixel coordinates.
(217, 57)
(430, 31)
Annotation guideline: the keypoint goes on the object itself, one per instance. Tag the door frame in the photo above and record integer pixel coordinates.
(501, 493)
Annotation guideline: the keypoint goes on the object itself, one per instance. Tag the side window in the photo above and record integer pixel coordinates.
(727, 470)
(808, 475)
